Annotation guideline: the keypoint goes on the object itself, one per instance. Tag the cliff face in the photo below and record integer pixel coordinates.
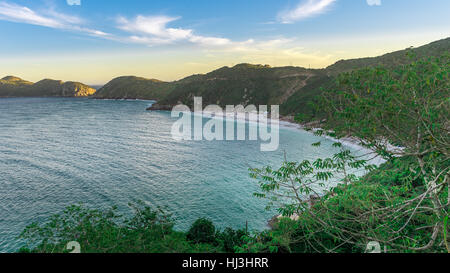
(76, 89)
(15, 87)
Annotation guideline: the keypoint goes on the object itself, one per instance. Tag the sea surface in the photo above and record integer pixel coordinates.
(55, 152)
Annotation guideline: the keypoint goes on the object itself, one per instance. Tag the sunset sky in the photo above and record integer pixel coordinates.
(93, 41)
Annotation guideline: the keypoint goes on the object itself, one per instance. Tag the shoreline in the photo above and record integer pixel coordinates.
(286, 122)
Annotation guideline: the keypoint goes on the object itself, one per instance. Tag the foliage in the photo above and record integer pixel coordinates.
(293, 187)
(231, 239)
(202, 231)
(400, 114)
(146, 231)
(346, 218)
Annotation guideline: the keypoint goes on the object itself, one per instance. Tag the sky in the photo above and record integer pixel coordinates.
(94, 41)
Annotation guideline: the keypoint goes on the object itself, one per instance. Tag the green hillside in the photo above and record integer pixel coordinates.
(391, 59)
(14, 81)
(300, 102)
(131, 87)
(11, 86)
(294, 88)
(242, 84)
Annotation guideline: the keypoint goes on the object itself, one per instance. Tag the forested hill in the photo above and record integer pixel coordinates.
(241, 84)
(300, 101)
(291, 87)
(133, 88)
(391, 59)
(11, 86)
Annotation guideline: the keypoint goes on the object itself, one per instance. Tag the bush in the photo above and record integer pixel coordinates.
(230, 239)
(404, 204)
(202, 231)
(146, 231)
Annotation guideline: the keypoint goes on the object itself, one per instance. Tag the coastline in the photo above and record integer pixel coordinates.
(284, 121)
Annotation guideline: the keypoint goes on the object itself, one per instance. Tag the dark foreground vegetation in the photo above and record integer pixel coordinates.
(147, 230)
(398, 113)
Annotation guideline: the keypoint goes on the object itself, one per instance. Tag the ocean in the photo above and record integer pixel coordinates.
(56, 152)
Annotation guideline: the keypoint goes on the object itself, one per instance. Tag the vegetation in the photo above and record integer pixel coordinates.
(393, 59)
(202, 231)
(305, 102)
(402, 116)
(147, 230)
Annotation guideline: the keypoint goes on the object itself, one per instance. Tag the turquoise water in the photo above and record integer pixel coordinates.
(55, 152)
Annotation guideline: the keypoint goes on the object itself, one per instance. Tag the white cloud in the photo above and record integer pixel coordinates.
(19, 14)
(51, 19)
(305, 9)
(277, 52)
(153, 30)
(374, 2)
(74, 2)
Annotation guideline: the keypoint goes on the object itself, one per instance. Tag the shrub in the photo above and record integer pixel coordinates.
(230, 239)
(146, 231)
(202, 231)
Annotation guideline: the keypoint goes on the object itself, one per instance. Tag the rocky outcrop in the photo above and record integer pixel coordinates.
(76, 89)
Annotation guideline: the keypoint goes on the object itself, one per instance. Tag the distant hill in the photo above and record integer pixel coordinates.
(300, 101)
(11, 86)
(131, 87)
(242, 84)
(294, 88)
(291, 87)
(391, 59)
